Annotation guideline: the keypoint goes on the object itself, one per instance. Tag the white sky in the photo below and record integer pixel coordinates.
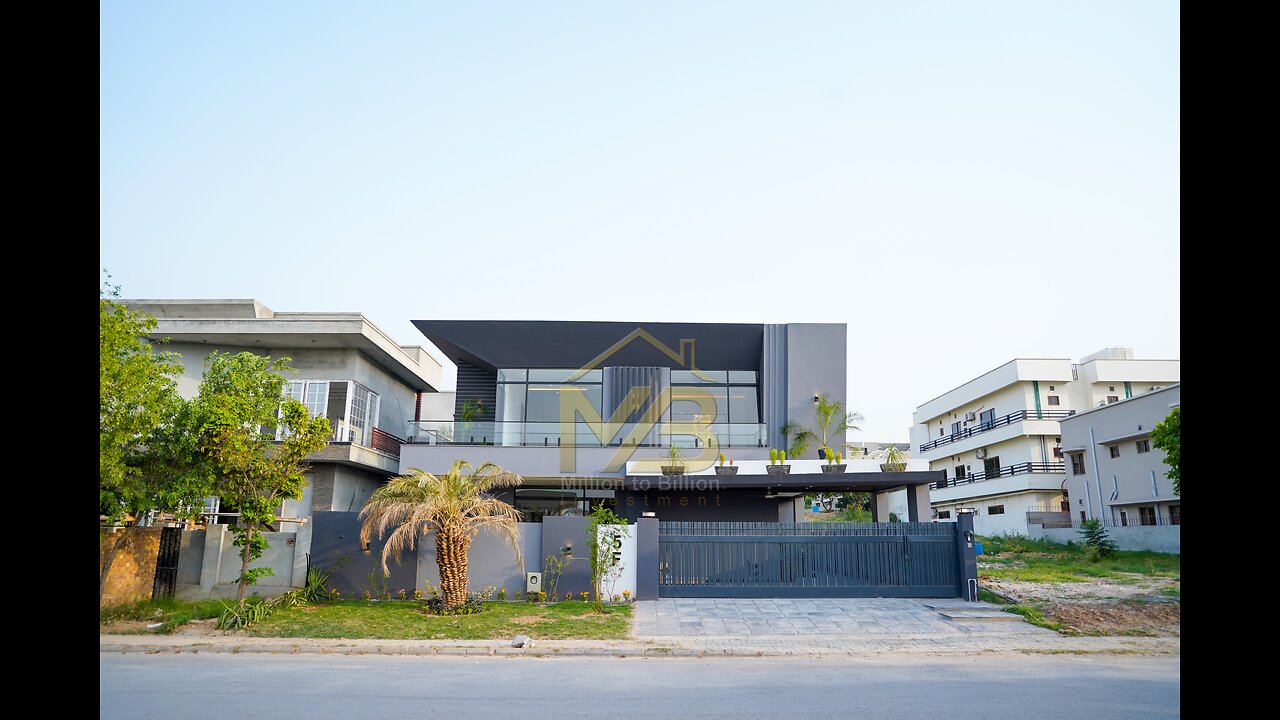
(960, 183)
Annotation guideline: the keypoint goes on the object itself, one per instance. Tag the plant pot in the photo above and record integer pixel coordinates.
(834, 469)
(822, 453)
(672, 469)
(726, 469)
(893, 467)
(777, 469)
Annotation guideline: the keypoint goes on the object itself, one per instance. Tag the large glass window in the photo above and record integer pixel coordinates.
(543, 404)
(362, 414)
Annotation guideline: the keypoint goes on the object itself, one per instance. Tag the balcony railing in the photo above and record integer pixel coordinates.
(1011, 418)
(1006, 471)
(549, 434)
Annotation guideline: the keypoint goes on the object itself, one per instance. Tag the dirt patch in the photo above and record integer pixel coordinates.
(1112, 618)
(1127, 587)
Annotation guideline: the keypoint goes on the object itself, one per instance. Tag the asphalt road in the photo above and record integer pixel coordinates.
(313, 687)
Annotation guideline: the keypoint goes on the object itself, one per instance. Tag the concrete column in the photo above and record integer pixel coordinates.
(647, 567)
(215, 536)
(966, 557)
(918, 504)
(301, 553)
(880, 507)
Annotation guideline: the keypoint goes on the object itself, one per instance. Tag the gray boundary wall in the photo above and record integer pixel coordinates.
(490, 561)
(208, 565)
(1157, 538)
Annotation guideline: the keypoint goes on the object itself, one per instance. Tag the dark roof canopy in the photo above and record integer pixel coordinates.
(572, 344)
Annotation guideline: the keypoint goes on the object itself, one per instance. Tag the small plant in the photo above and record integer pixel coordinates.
(615, 599)
(626, 595)
(675, 462)
(830, 456)
(1096, 538)
(554, 569)
(568, 595)
(721, 459)
(782, 457)
(401, 595)
(367, 595)
(730, 462)
(502, 595)
(584, 595)
(417, 594)
(893, 517)
(434, 604)
(773, 456)
(336, 593)
(839, 458)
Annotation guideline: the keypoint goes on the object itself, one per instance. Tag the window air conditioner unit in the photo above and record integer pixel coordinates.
(970, 416)
(981, 453)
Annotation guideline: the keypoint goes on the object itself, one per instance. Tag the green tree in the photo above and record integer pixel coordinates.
(455, 506)
(829, 418)
(241, 405)
(1168, 437)
(147, 461)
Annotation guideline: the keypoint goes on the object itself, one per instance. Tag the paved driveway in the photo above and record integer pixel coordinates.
(821, 617)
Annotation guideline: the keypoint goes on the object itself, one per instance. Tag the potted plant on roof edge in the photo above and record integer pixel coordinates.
(835, 463)
(729, 469)
(777, 463)
(895, 460)
(675, 462)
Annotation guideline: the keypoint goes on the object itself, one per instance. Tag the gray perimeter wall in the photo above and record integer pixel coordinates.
(559, 532)
(1158, 538)
(335, 546)
(490, 561)
(208, 565)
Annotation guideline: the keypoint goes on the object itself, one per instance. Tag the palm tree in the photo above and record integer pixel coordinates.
(455, 505)
(831, 419)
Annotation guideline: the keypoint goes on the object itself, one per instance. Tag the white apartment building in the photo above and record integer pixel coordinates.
(997, 436)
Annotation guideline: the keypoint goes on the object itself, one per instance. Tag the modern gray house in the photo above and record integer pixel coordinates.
(588, 412)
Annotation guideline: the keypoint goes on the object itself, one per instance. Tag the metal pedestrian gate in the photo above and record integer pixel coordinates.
(759, 559)
(166, 578)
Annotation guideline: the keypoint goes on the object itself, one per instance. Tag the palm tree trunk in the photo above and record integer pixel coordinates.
(451, 557)
(120, 541)
(244, 561)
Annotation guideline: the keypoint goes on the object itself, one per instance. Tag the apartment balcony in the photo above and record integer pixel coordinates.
(1019, 422)
(371, 449)
(587, 435)
(1019, 477)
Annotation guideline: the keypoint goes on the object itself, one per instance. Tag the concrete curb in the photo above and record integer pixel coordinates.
(150, 645)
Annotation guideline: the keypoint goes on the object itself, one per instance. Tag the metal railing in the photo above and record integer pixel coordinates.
(1133, 520)
(550, 434)
(1006, 471)
(1013, 417)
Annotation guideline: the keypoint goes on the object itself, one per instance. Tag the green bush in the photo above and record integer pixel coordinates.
(1096, 539)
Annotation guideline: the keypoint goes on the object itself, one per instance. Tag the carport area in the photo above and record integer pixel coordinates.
(761, 497)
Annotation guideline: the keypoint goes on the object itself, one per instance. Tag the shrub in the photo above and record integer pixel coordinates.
(782, 456)
(773, 456)
(401, 594)
(1096, 537)
(434, 603)
(502, 595)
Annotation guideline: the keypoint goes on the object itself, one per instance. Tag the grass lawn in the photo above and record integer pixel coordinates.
(1018, 558)
(170, 613)
(403, 620)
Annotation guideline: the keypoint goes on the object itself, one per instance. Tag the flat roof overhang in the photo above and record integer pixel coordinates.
(840, 482)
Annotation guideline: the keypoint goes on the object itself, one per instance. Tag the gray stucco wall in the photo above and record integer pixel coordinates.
(397, 400)
(490, 561)
(539, 462)
(1158, 538)
(559, 532)
(335, 546)
(208, 564)
(816, 364)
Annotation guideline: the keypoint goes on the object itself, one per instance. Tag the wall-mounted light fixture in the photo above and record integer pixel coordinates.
(567, 550)
(815, 399)
(649, 513)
